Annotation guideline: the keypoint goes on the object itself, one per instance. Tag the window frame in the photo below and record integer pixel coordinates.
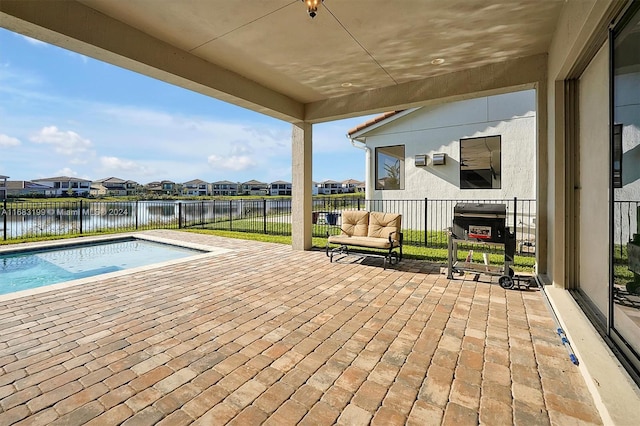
(497, 186)
(384, 150)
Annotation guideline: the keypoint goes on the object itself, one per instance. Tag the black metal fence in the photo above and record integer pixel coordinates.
(625, 224)
(424, 222)
(55, 218)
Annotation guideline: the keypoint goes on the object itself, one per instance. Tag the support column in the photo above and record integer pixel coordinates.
(301, 200)
(543, 166)
(370, 179)
(561, 166)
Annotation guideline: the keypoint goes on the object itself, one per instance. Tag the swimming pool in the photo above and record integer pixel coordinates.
(46, 266)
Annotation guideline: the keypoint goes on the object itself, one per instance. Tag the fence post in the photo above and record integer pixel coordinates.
(80, 216)
(4, 215)
(202, 214)
(515, 215)
(358, 203)
(179, 215)
(136, 215)
(264, 215)
(426, 218)
(231, 214)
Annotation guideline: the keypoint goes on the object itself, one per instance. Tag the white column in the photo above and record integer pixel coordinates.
(301, 200)
(369, 177)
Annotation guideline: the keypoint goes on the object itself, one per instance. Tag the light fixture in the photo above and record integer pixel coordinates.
(437, 61)
(439, 159)
(346, 84)
(312, 6)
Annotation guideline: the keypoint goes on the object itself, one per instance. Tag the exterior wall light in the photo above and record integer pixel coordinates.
(420, 160)
(439, 159)
(312, 6)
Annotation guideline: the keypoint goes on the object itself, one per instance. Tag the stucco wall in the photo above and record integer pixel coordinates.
(438, 129)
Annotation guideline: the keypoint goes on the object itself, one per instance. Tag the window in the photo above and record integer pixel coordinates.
(390, 167)
(480, 163)
(624, 246)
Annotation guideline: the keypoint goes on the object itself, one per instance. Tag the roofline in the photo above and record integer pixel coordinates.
(378, 121)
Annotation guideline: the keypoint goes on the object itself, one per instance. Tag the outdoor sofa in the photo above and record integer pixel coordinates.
(371, 230)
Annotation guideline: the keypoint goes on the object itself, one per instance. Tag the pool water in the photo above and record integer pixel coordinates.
(27, 270)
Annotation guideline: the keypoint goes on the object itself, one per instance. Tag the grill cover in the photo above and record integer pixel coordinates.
(480, 222)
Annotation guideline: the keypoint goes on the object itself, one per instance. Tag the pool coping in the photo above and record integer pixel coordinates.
(208, 251)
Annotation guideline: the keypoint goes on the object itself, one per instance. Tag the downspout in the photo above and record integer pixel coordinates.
(361, 143)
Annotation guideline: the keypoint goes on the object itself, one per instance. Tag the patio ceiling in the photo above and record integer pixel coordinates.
(354, 57)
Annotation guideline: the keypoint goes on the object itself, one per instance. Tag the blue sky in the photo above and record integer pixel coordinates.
(62, 113)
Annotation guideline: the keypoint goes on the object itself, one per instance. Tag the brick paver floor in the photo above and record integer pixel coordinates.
(265, 335)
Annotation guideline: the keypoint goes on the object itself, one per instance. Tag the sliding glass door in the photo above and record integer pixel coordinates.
(625, 184)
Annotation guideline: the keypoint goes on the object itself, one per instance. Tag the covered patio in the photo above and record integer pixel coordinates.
(235, 339)
(277, 334)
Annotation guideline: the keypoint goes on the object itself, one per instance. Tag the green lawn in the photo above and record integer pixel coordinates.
(438, 255)
(278, 232)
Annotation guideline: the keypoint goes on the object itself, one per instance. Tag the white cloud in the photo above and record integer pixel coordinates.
(8, 141)
(233, 162)
(241, 148)
(237, 149)
(332, 137)
(115, 164)
(137, 116)
(34, 42)
(172, 130)
(83, 58)
(64, 142)
(66, 171)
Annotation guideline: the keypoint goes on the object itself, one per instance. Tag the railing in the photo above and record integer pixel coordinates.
(424, 222)
(625, 225)
(521, 219)
(55, 218)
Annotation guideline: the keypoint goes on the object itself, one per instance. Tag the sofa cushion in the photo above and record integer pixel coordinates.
(355, 223)
(371, 242)
(383, 224)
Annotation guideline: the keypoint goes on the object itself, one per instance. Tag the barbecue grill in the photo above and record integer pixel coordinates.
(485, 225)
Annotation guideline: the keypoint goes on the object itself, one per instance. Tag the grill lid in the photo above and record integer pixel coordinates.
(480, 210)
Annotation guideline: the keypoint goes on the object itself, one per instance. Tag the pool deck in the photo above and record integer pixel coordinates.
(260, 334)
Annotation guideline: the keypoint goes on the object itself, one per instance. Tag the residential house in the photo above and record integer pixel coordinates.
(66, 186)
(97, 190)
(224, 188)
(113, 186)
(195, 187)
(351, 186)
(25, 188)
(3, 187)
(280, 187)
(329, 187)
(480, 148)
(254, 187)
(164, 187)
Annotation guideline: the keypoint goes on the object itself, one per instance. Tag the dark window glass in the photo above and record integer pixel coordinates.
(480, 163)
